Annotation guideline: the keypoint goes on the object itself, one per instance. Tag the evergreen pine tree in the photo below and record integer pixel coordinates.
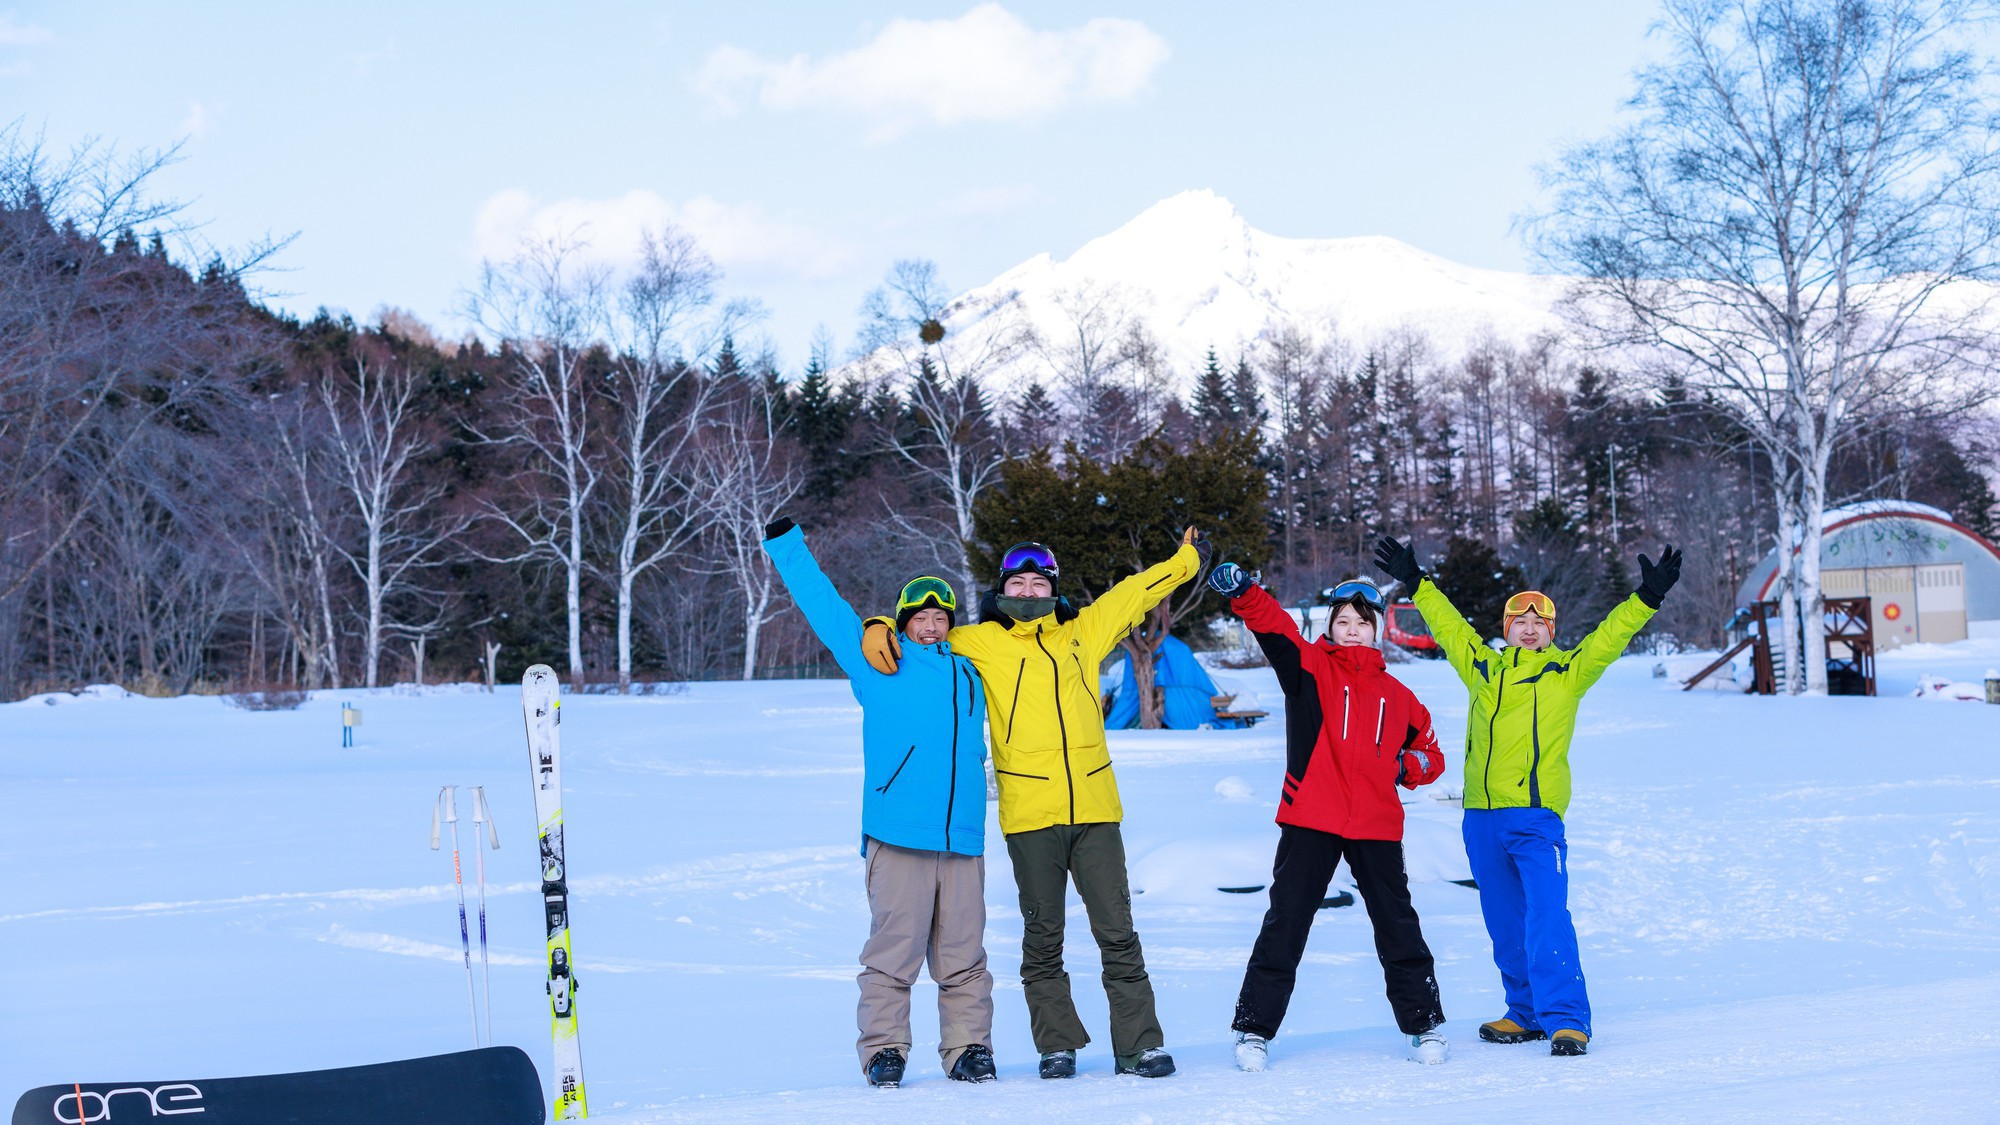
(1214, 412)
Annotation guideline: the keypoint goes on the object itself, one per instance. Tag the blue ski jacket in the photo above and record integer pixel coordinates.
(923, 730)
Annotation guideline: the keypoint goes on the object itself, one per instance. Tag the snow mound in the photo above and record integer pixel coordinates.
(93, 692)
(1943, 689)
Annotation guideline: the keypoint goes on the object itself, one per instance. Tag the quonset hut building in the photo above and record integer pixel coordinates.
(1927, 577)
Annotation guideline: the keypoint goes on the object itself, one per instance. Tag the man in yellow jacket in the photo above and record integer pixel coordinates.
(1524, 702)
(1038, 658)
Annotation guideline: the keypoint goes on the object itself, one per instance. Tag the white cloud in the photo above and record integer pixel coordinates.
(986, 65)
(199, 122)
(14, 33)
(745, 241)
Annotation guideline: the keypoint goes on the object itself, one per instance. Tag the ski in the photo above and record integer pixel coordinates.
(496, 1085)
(541, 704)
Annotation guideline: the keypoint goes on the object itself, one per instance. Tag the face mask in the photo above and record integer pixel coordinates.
(1025, 609)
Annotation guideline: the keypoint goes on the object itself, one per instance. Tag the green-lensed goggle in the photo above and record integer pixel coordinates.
(920, 592)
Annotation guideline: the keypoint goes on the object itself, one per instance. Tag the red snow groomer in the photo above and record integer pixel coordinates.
(1404, 625)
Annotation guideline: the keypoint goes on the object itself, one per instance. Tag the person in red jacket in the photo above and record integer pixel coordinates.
(1352, 734)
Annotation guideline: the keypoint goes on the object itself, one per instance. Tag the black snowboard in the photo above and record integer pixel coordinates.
(493, 1085)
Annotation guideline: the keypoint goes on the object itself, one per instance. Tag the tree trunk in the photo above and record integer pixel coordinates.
(1812, 604)
(573, 592)
(753, 622)
(625, 629)
(1141, 644)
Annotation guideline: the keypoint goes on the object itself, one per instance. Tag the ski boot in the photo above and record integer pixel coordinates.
(1504, 1030)
(975, 1064)
(1569, 1041)
(1153, 1062)
(1252, 1051)
(1059, 1064)
(886, 1068)
(1429, 1047)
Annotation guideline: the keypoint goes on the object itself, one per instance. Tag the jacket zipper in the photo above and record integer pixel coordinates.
(1381, 711)
(1499, 693)
(1346, 693)
(884, 788)
(1055, 672)
(951, 793)
(1020, 674)
(1535, 767)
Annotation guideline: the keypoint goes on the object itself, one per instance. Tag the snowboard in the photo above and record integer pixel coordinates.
(497, 1085)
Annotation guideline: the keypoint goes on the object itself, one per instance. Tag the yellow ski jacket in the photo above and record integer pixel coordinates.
(1042, 705)
(1524, 703)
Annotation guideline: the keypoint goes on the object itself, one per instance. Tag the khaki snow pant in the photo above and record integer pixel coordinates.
(1045, 861)
(924, 904)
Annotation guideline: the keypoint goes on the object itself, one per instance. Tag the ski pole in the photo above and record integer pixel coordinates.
(482, 825)
(448, 801)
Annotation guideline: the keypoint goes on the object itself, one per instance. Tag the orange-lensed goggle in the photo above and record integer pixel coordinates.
(1526, 600)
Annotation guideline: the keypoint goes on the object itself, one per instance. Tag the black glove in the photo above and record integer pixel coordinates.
(1655, 581)
(1399, 561)
(778, 527)
(1230, 581)
(1199, 542)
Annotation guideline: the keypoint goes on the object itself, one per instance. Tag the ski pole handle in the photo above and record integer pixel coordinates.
(448, 806)
(483, 814)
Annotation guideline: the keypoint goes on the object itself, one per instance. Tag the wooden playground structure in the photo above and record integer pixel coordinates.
(1850, 648)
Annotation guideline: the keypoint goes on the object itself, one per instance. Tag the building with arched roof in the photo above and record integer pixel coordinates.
(1928, 578)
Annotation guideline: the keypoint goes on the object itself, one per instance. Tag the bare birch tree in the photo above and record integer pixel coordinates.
(668, 325)
(951, 440)
(1787, 225)
(745, 476)
(376, 433)
(546, 307)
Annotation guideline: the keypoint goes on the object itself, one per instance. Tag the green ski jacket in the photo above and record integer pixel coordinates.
(1523, 703)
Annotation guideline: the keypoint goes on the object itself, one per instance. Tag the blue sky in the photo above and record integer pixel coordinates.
(810, 145)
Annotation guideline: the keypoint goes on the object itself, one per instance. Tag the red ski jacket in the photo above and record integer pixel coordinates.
(1353, 732)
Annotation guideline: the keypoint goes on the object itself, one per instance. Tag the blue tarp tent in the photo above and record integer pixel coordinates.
(1185, 689)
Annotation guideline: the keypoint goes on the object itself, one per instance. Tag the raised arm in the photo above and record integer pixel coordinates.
(1105, 621)
(1459, 641)
(832, 620)
(1277, 634)
(1606, 642)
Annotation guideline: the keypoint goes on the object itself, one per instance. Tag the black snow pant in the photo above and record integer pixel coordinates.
(1045, 861)
(1299, 878)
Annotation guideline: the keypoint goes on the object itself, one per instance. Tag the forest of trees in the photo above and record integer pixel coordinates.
(200, 494)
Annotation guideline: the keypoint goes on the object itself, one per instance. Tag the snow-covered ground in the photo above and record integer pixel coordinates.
(1790, 908)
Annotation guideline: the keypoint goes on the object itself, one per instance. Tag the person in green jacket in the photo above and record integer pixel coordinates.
(1524, 702)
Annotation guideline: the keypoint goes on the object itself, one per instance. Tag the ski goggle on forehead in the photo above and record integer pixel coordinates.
(1360, 588)
(1526, 600)
(920, 592)
(1029, 556)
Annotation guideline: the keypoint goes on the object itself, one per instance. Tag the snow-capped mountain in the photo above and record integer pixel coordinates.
(1196, 275)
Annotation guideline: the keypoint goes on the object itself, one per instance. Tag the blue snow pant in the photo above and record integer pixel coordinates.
(1521, 863)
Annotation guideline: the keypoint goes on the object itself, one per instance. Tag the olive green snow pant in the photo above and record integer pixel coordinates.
(1045, 860)
(924, 904)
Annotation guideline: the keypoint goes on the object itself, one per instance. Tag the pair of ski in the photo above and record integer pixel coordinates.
(541, 706)
(496, 1085)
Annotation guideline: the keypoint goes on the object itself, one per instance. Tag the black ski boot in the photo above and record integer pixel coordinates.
(975, 1064)
(886, 1068)
(1059, 1064)
(1153, 1062)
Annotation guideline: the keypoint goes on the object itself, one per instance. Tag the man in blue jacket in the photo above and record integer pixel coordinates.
(923, 818)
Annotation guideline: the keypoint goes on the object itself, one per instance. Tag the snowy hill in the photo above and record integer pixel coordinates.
(1196, 274)
(1784, 915)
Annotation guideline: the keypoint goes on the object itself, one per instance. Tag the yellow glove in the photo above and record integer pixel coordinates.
(1194, 538)
(880, 644)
